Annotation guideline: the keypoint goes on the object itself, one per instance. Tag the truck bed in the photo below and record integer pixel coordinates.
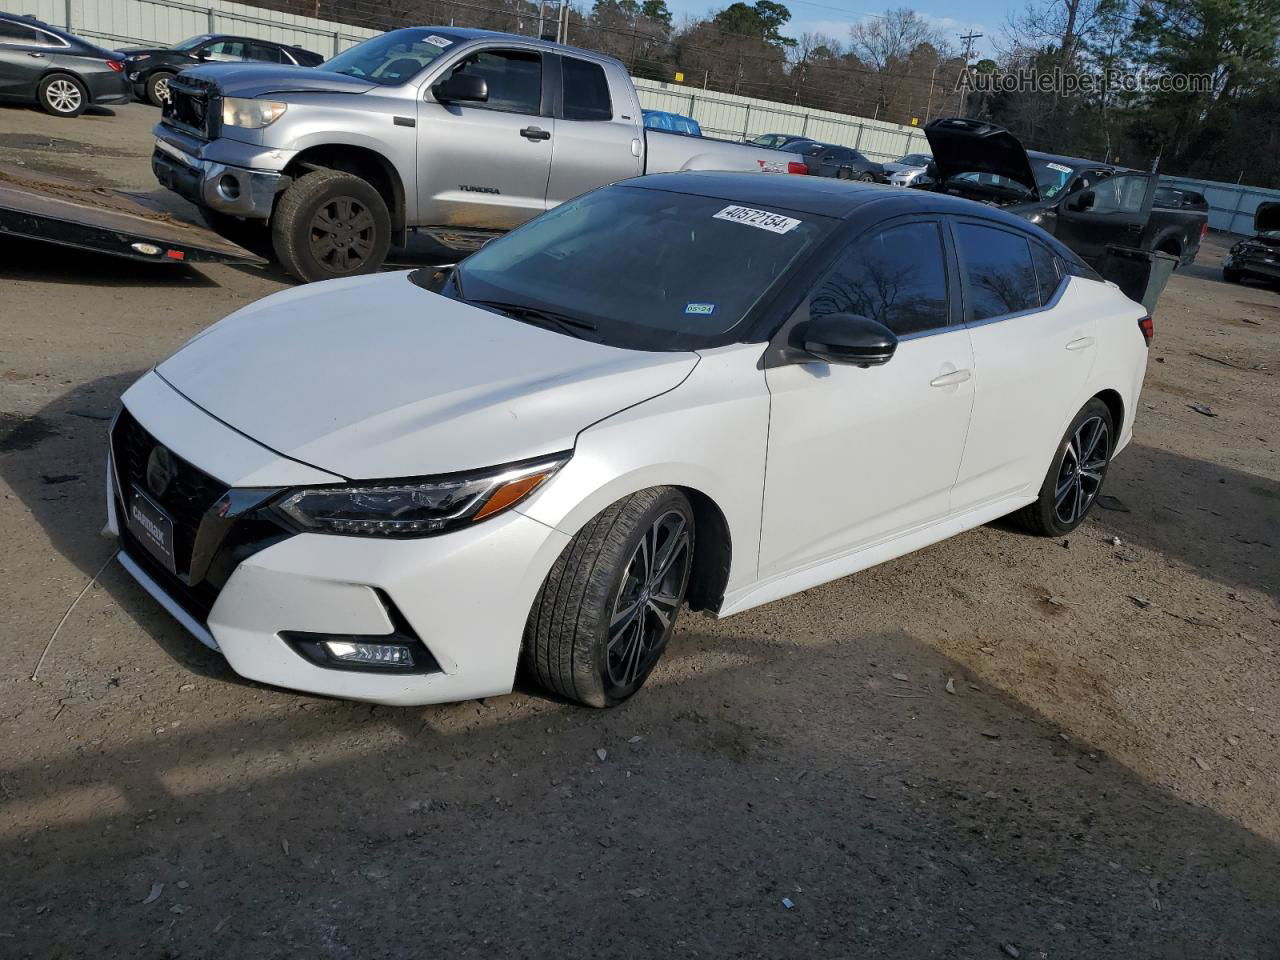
(37, 206)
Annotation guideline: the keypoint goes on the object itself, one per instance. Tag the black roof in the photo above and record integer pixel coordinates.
(1069, 161)
(821, 196)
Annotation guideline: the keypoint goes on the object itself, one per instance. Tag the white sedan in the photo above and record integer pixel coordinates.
(713, 389)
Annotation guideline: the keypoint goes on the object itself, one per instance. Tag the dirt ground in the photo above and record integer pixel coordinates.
(795, 782)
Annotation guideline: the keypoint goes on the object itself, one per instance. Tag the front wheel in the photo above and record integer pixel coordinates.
(609, 605)
(62, 95)
(330, 224)
(158, 88)
(1075, 476)
(866, 177)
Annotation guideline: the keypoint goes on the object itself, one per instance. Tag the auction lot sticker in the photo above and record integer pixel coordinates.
(763, 219)
(438, 41)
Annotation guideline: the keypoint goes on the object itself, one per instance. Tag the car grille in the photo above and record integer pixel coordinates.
(193, 106)
(193, 499)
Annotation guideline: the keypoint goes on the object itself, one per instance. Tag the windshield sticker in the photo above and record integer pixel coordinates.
(761, 219)
(700, 309)
(438, 41)
(1059, 167)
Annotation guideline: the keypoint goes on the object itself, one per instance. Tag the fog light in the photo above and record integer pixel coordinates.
(229, 186)
(390, 654)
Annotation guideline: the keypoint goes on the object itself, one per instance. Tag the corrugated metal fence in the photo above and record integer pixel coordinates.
(1231, 205)
(127, 22)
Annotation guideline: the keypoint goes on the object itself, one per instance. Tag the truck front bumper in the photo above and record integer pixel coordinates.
(229, 179)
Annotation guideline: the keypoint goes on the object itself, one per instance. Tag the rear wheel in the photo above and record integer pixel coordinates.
(609, 605)
(62, 95)
(330, 224)
(1231, 276)
(865, 177)
(158, 88)
(1075, 476)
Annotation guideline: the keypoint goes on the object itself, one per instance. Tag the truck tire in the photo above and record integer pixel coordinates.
(330, 224)
(158, 88)
(62, 95)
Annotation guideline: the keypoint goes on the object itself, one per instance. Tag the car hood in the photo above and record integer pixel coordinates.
(251, 80)
(972, 146)
(374, 377)
(900, 168)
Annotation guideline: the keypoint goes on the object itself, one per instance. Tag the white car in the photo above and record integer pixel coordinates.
(718, 389)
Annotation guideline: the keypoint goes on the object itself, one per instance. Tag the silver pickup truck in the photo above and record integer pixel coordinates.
(462, 133)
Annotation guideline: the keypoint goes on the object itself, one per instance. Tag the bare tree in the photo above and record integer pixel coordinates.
(886, 44)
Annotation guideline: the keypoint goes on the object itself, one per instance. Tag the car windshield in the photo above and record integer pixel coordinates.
(391, 58)
(1051, 177)
(642, 269)
(192, 42)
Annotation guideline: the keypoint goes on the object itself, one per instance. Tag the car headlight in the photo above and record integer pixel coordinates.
(251, 114)
(417, 508)
(1036, 218)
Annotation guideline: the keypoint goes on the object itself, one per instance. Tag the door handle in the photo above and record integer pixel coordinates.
(535, 133)
(950, 379)
(1080, 344)
(38, 56)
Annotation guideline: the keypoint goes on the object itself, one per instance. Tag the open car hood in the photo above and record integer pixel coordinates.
(972, 146)
(1266, 217)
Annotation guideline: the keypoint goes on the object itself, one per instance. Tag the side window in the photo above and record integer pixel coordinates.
(226, 50)
(11, 32)
(897, 276)
(1123, 193)
(1047, 277)
(998, 266)
(514, 78)
(586, 91)
(264, 53)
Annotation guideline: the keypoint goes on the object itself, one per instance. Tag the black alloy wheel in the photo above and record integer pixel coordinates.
(342, 235)
(1083, 468)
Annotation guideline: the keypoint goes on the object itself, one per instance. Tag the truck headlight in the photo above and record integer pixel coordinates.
(417, 508)
(251, 114)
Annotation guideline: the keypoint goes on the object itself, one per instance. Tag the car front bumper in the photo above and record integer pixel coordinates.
(465, 594)
(1259, 265)
(237, 179)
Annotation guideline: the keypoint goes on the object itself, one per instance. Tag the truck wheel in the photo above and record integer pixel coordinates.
(63, 95)
(158, 88)
(330, 224)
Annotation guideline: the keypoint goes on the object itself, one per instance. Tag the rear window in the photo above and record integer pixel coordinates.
(586, 91)
(651, 270)
(997, 264)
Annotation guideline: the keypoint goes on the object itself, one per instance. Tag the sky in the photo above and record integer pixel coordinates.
(835, 17)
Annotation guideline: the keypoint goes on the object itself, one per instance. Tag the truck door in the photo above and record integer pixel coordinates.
(1116, 209)
(484, 166)
(595, 143)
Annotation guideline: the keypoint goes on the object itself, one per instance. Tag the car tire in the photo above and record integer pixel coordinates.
(253, 235)
(1230, 276)
(1068, 493)
(158, 88)
(609, 605)
(330, 224)
(866, 177)
(62, 95)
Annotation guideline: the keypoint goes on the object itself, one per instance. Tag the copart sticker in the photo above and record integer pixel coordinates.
(762, 219)
(438, 41)
(1059, 167)
(700, 309)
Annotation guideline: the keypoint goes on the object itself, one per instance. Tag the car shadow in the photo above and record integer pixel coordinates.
(33, 260)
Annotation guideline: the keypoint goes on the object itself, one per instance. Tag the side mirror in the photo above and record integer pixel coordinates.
(203, 55)
(462, 87)
(1082, 201)
(846, 338)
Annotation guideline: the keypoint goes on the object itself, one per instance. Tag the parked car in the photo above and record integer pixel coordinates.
(829, 160)
(776, 141)
(62, 73)
(1257, 258)
(1086, 204)
(671, 122)
(462, 133)
(151, 68)
(710, 388)
(909, 171)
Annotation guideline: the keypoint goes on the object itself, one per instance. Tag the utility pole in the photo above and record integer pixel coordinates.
(968, 39)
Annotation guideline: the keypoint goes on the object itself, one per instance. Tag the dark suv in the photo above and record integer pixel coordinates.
(58, 70)
(151, 68)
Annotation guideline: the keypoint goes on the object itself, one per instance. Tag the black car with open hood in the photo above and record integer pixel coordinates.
(1257, 258)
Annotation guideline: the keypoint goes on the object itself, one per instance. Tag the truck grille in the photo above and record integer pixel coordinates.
(193, 107)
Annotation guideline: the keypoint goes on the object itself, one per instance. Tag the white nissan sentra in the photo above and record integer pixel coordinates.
(713, 389)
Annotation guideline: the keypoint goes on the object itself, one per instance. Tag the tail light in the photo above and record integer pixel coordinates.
(116, 65)
(1204, 229)
(795, 166)
(1148, 329)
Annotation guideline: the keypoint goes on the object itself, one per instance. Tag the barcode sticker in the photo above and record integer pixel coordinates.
(761, 219)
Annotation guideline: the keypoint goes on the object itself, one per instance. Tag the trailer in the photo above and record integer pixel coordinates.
(49, 209)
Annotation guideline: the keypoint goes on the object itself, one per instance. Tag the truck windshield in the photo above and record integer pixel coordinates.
(391, 58)
(643, 269)
(1051, 177)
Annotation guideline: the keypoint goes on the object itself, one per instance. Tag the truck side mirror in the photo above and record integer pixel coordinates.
(462, 88)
